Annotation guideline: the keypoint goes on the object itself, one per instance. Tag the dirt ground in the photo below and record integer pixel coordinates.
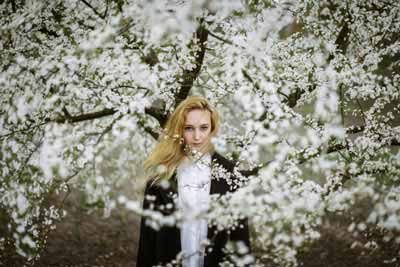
(339, 248)
(90, 240)
(83, 240)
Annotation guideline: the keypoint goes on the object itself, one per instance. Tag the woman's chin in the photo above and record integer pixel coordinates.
(200, 148)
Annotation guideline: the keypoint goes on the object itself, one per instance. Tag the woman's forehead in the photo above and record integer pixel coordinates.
(198, 116)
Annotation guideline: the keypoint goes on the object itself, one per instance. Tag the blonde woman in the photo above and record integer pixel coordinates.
(184, 160)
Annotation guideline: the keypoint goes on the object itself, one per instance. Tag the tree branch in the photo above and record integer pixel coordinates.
(93, 9)
(255, 170)
(84, 117)
(24, 130)
(250, 79)
(157, 113)
(220, 38)
(189, 76)
(107, 112)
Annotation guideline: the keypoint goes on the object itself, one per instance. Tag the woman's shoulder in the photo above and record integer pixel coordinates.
(157, 185)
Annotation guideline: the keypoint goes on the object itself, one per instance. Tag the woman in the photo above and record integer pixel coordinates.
(182, 164)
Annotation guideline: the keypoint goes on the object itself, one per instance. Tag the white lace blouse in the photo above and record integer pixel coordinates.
(194, 181)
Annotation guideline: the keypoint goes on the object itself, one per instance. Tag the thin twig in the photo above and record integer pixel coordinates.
(93, 9)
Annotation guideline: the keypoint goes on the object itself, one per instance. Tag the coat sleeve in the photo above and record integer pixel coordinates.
(147, 236)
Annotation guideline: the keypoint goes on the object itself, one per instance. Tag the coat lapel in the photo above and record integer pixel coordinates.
(218, 186)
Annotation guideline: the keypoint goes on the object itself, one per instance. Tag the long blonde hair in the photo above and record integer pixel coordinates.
(169, 151)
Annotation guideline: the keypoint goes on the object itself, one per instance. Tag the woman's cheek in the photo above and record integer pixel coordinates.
(189, 138)
(186, 138)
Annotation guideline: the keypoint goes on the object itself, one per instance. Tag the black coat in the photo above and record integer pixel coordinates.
(162, 246)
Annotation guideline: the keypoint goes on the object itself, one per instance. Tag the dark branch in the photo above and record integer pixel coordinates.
(290, 100)
(107, 112)
(250, 79)
(189, 76)
(342, 40)
(84, 117)
(149, 130)
(158, 114)
(220, 38)
(93, 9)
(354, 129)
(255, 170)
(29, 128)
(335, 148)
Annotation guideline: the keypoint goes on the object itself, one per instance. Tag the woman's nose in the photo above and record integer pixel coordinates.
(196, 134)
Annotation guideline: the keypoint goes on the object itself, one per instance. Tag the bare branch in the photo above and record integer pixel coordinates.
(24, 130)
(221, 38)
(250, 79)
(102, 16)
(84, 117)
(189, 76)
(255, 170)
(355, 129)
(157, 113)
(107, 112)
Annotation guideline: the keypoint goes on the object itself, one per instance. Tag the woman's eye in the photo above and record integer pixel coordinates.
(188, 129)
(204, 128)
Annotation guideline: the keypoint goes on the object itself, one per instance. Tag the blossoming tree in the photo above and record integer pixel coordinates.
(308, 92)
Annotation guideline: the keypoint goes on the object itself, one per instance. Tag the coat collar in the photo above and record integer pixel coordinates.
(218, 186)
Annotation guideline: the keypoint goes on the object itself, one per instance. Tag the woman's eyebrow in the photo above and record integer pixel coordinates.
(190, 125)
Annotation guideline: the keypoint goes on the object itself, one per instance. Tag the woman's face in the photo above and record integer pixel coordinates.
(197, 129)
